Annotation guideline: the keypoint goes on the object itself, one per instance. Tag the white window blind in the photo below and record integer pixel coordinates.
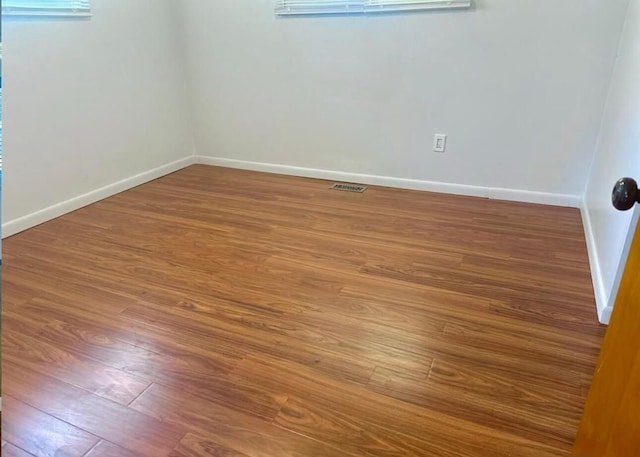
(46, 8)
(293, 7)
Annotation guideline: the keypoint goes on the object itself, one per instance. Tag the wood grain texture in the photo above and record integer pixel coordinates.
(100, 417)
(9, 450)
(28, 348)
(106, 449)
(41, 434)
(196, 446)
(219, 312)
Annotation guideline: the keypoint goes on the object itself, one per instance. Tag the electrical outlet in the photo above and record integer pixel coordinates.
(439, 142)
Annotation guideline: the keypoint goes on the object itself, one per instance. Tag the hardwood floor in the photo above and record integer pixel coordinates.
(217, 312)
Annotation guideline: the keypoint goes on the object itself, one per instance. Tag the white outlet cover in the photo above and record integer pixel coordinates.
(439, 142)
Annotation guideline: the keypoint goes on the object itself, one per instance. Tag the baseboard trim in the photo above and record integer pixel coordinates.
(403, 183)
(603, 306)
(31, 220)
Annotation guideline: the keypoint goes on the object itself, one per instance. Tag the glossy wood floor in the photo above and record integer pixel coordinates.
(228, 313)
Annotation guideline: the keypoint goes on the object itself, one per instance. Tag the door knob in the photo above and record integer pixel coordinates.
(625, 194)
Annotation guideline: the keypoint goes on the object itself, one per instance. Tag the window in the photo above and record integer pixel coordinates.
(46, 8)
(293, 7)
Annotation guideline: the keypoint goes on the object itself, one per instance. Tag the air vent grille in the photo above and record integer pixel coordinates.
(348, 187)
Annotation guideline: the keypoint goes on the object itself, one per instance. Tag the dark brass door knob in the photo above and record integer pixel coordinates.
(625, 194)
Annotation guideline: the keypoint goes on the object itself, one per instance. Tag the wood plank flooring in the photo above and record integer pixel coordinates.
(218, 312)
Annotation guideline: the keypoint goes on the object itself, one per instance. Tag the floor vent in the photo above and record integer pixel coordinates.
(348, 187)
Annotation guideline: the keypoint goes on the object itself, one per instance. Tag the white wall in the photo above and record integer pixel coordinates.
(88, 103)
(617, 155)
(518, 85)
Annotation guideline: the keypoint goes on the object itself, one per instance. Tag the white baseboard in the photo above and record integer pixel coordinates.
(31, 220)
(403, 183)
(17, 225)
(603, 304)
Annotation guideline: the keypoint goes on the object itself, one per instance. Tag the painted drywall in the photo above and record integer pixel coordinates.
(89, 103)
(617, 155)
(518, 86)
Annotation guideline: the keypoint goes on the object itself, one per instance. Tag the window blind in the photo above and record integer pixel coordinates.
(46, 8)
(293, 7)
